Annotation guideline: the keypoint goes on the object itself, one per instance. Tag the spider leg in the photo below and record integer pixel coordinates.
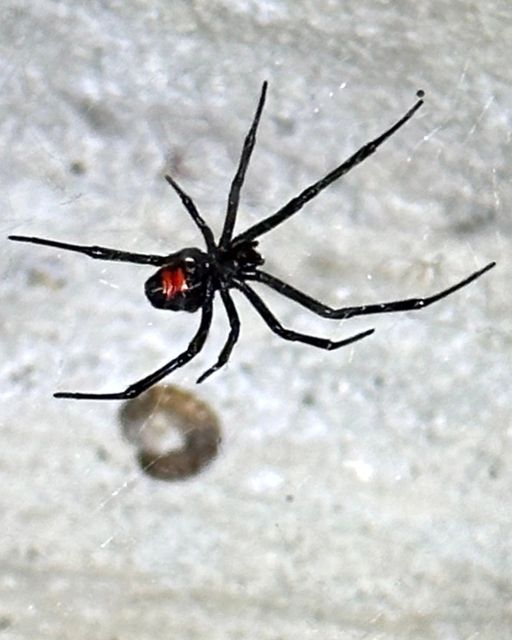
(98, 253)
(296, 204)
(134, 390)
(194, 214)
(288, 334)
(236, 185)
(343, 313)
(234, 322)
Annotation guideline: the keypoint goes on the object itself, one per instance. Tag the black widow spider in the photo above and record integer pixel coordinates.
(188, 279)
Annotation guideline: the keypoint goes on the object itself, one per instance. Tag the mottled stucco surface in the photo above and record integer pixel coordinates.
(359, 494)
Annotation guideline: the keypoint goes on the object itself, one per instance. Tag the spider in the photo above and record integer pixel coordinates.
(188, 279)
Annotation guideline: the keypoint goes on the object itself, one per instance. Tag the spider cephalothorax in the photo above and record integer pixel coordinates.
(188, 280)
(241, 258)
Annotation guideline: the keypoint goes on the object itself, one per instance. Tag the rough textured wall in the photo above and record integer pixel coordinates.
(362, 493)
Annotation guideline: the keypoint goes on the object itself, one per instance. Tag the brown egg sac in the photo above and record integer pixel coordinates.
(165, 411)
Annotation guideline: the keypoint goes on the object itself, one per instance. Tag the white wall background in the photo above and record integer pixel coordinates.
(359, 494)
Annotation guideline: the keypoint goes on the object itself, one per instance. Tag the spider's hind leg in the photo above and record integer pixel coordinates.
(135, 389)
(93, 251)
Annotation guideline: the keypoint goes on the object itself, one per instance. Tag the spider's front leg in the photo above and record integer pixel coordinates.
(296, 203)
(238, 180)
(343, 313)
(134, 390)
